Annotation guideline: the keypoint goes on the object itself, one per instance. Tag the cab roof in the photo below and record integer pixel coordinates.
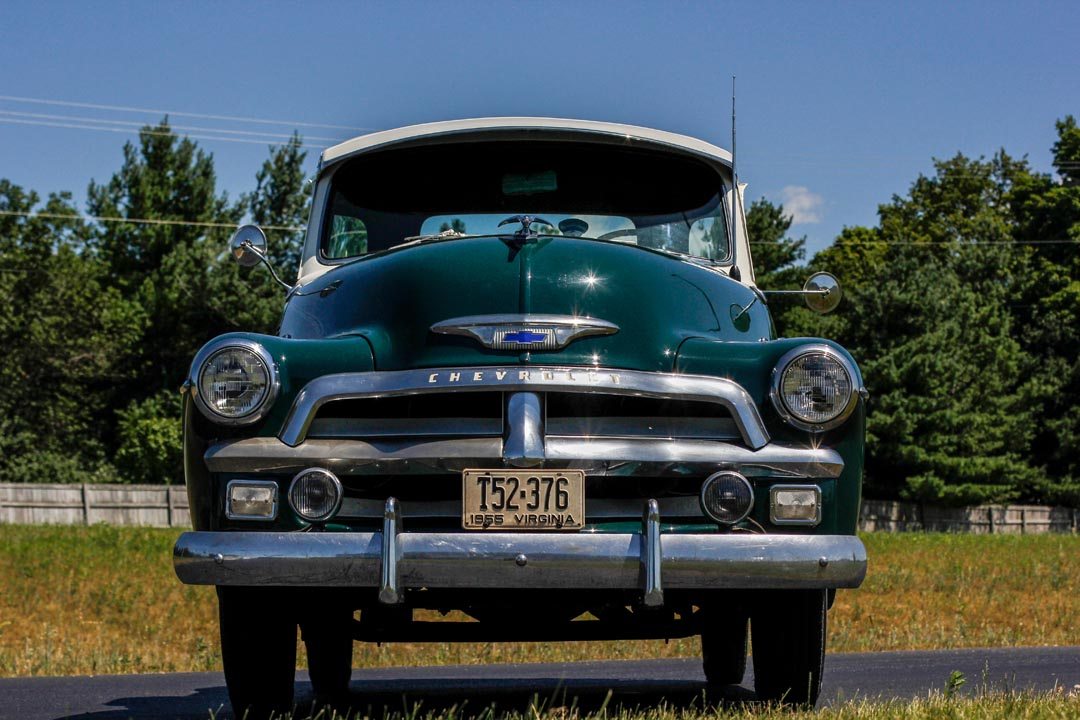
(480, 127)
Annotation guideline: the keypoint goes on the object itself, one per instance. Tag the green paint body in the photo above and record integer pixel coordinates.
(375, 313)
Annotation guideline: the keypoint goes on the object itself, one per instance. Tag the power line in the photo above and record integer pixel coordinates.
(204, 116)
(142, 124)
(135, 131)
(142, 221)
(299, 228)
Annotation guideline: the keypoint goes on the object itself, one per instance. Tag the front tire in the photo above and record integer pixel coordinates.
(327, 634)
(258, 651)
(723, 645)
(788, 633)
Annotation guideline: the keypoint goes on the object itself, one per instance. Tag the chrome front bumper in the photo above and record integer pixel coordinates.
(395, 561)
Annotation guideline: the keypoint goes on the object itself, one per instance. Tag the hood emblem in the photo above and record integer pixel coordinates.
(525, 332)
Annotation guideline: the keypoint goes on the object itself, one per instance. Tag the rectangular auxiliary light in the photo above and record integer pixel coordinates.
(251, 500)
(795, 504)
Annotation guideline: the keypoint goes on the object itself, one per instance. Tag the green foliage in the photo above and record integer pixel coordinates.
(962, 307)
(279, 202)
(108, 316)
(150, 439)
(775, 254)
(967, 339)
(67, 337)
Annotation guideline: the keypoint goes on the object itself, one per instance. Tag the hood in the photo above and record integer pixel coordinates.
(393, 298)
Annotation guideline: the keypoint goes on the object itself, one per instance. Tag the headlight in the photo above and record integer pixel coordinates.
(814, 388)
(235, 383)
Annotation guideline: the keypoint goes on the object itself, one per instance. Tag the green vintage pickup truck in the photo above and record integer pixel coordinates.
(526, 375)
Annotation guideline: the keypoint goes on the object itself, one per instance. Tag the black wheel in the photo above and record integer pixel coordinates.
(723, 644)
(327, 633)
(258, 650)
(788, 632)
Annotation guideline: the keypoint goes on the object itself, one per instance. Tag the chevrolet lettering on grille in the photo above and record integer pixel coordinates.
(452, 377)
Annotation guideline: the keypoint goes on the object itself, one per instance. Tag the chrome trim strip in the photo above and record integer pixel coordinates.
(405, 427)
(558, 330)
(652, 556)
(632, 458)
(597, 509)
(389, 577)
(487, 560)
(627, 426)
(353, 386)
(524, 446)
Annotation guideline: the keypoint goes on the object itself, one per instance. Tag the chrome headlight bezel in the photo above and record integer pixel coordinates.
(776, 392)
(335, 483)
(215, 348)
(739, 477)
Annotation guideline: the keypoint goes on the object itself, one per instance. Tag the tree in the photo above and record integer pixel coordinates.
(928, 316)
(1047, 312)
(180, 273)
(281, 205)
(68, 340)
(775, 254)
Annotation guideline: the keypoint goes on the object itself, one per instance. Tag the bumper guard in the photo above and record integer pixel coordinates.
(394, 561)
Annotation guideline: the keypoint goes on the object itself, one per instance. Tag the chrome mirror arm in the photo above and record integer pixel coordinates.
(259, 253)
(822, 292)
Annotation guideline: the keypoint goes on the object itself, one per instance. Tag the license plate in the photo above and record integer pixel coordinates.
(523, 500)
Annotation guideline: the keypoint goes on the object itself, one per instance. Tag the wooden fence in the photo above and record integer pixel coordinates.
(167, 506)
(152, 505)
(892, 516)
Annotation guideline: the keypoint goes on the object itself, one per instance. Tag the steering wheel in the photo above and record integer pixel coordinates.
(618, 233)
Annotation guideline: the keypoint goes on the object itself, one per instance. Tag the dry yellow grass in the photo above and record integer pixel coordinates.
(77, 600)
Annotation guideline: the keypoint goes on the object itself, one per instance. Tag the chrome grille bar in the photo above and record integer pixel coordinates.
(631, 458)
(533, 379)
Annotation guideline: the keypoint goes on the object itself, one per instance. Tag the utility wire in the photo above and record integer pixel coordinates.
(204, 116)
(142, 221)
(135, 131)
(299, 228)
(142, 124)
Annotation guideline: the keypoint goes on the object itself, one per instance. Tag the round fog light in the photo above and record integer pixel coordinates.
(727, 497)
(315, 494)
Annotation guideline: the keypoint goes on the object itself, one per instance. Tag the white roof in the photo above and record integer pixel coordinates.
(479, 125)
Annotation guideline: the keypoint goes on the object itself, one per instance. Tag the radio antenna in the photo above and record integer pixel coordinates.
(735, 204)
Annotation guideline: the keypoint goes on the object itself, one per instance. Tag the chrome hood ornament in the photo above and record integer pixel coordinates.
(525, 332)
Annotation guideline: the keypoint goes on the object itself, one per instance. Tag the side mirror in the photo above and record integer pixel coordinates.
(248, 248)
(248, 245)
(822, 292)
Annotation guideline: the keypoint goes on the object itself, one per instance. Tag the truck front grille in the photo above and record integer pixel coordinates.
(481, 414)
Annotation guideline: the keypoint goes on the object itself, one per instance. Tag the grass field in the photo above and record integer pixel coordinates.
(97, 600)
(1064, 705)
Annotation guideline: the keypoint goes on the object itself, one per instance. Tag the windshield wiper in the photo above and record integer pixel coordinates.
(519, 235)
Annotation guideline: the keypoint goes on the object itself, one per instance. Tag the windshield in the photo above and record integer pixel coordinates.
(605, 192)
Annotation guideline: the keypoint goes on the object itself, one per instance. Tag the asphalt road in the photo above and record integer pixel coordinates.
(639, 683)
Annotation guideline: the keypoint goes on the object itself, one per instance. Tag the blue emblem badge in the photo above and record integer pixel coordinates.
(525, 337)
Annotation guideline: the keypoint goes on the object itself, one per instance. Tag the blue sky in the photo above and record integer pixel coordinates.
(840, 104)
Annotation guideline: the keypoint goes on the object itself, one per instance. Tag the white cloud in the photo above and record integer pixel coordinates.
(804, 206)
